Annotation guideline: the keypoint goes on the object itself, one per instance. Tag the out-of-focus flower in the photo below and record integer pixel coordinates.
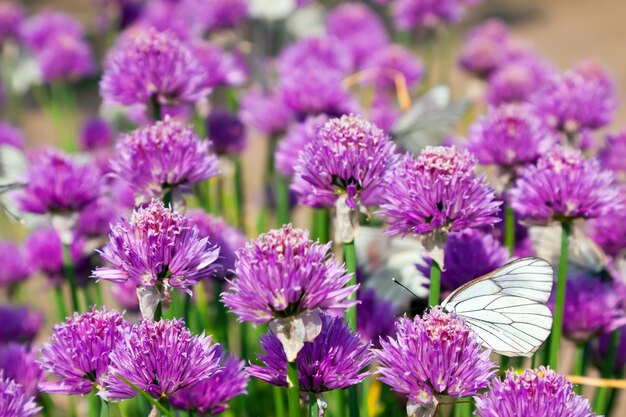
(227, 132)
(226, 237)
(38, 30)
(14, 268)
(163, 158)
(284, 273)
(535, 392)
(392, 62)
(96, 133)
(19, 324)
(11, 136)
(296, 139)
(563, 186)
(65, 58)
(517, 81)
(357, 27)
(375, 317)
(222, 14)
(349, 156)
(77, 353)
(125, 294)
(265, 111)
(384, 113)
(151, 66)
(510, 136)
(94, 222)
(613, 155)
(58, 184)
(161, 358)
(18, 362)
(600, 347)
(11, 18)
(414, 14)
(323, 53)
(609, 232)
(211, 395)
(582, 98)
(434, 355)
(14, 401)
(484, 49)
(334, 360)
(222, 68)
(468, 255)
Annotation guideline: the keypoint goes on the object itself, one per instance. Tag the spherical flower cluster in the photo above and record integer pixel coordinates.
(157, 246)
(265, 111)
(592, 307)
(45, 26)
(517, 81)
(413, 14)
(226, 237)
(323, 52)
(95, 221)
(564, 186)
(510, 136)
(77, 353)
(535, 392)
(334, 360)
(14, 401)
(582, 98)
(58, 184)
(227, 132)
(161, 157)
(392, 62)
(438, 191)
(296, 139)
(65, 57)
(11, 18)
(18, 362)
(437, 354)
(14, 267)
(19, 324)
(468, 255)
(211, 395)
(356, 26)
(222, 14)
(485, 48)
(375, 317)
(348, 156)
(152, 66)
(222, 68)
(96, 133)
(284, 273)
(10, 135)
(161, 358)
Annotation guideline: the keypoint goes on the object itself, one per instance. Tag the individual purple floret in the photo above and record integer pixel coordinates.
(336, 359)
(19, 324)
(227, 132)
(77, 353)
(434, 355)
(211, 396)
(535, 392)
(18, 362)
(14, 402)
(296, 139)
(161, 358)
(283, 273)
(14, 267)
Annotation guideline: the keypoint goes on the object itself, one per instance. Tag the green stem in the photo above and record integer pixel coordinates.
(158, 313)
(60, 302)
(435, 284)
(282, 201)
(293, 392)
(221, 316)
(557, 326)
(509, 229)
(603, 394)
(313, 409)
(353, 401)
(239, 192)
(69, 273)
(320, 229)
(98, 289)
(89, 302)
(279, 404)
(580, 363)
(155, 108)
(365, 387)
(104, 408)
(349, 257)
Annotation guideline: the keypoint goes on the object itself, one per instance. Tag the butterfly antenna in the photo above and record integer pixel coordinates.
(404, 286)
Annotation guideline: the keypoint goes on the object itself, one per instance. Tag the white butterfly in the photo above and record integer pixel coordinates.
(507, 308)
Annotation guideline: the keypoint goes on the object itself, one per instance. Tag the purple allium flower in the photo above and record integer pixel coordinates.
(609, 232)
(437, 354)
(222, 14)
(14, 268)
(18, 363)
(438, 191)
(153, 66)
(42, 28)
(613, 155)
(517, 81)
(211, 395)
(582, 98)
(348, 156)
(535, 392)
(323, 53)
(265, 111)
(159, 158)
(58, 184)
(375, 317)
(11, 136)
(392, 62)
(484, 49)
(96, 133)
(11, 18)
(510, 136)
(161, 358)
(284, 273)
(468, 255)
(157, 246)
(226, 237)
(44, 253)
(19, 324)
(125, 294)
(95, 220)
(564, 186)
(357, 27)
(227, 132)
(65, 58)
(334, 360)
(222, 68)
(77, 353)
(413, 14)
(296, 139)
(14, 401)
(592, 307)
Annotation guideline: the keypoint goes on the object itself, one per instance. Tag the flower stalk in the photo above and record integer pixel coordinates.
(559, 305)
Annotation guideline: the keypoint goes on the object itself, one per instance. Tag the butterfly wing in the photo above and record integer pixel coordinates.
(507, 307)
